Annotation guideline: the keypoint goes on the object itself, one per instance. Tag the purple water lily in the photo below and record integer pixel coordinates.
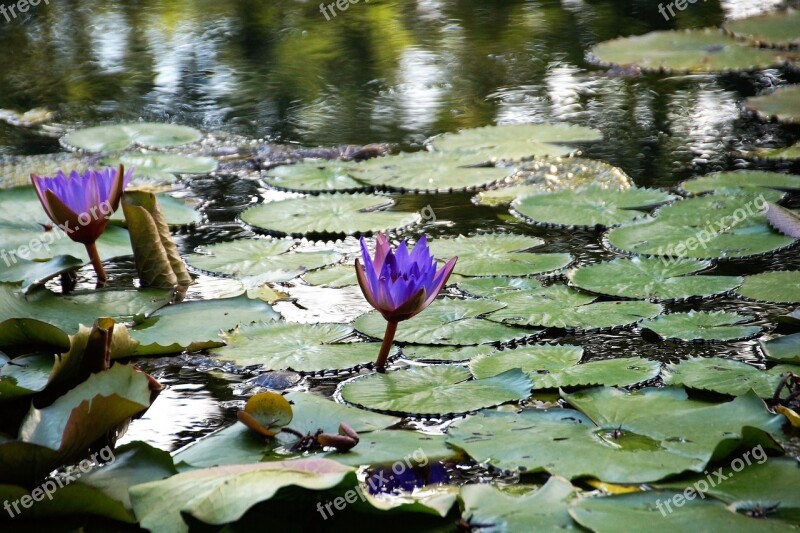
(399, 284)
(81, 204)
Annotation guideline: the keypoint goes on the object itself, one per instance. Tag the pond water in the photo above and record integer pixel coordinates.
(381, 72)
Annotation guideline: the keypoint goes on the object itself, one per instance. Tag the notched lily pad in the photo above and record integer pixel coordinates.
(724, 376)
(771, 184)
(315, 177)
(780, 29)
(781, 286)
(703, 326)
(782, 105)
(120, 137)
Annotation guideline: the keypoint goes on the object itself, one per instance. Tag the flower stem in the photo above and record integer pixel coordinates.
(388, 339)
(91, 249)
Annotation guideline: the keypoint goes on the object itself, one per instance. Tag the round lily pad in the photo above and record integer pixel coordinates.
(305, 348)
(328, 214)
(447, 321)
(779, 29)
(429, 172)
(559, 306)
(765, 182)
(780, 287)
(515, 141)
(120, 137)
(494, 286)
(450, 354)
(336, 276)
(703, 326)
(591, 207)
(724, 376)
(434, 390)
(652, 279)
(703, 50)
(269, 260)
(314, 177)
(266, 413)
(729, 226)
(496, 254)
(783, 105)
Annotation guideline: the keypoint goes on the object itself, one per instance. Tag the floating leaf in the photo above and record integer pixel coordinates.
(429, 172)
(784, 349)
(703, 50)
(336, 277)
(771, 184)
(30, 273)
(446, 321)
(157, 168)
(779, 29)
(298, 347)
(432, 390)
(270, 260)
(781, 287)
(495, 286)
(782, 105)
(559, 306)
(724, 376)
(652, 279)
(25, 376)
(328, 214)
(592, 207)
(266, 413)
(496, 254)
(314, 177)
(784, 220)
(514, 141)
(451, 354)
(703, 326)
(615, 436)
(386, 447)
(786, 153)
(122, 136)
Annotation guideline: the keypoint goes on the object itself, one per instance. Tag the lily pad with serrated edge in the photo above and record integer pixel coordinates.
(651, 279)
(429, 172)
(780, 29)
(307, 348)
(447, 321)
(559, 306)
(554, 366)
(724, 376)
(784, 349)
(450, 354)
(337, 276)
(328, 214)
(514, 141)
(703, 326)
(314, 177)
(120, 137)
(616, 436)
(702, 50)
(591, 207)
(552, 174)
(269, 260)
(434, 390)
(766, 182)
(782, 286)
(714, 226)
(496, 254)
(493, 286)
(783, 105)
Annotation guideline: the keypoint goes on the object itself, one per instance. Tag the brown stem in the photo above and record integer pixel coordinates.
(388, 339)
(91, 249)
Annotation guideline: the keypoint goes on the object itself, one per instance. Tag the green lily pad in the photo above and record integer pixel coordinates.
(450, 354)
(176, 212)
(592, 207)
(389, 446)
(559, 306)
(780, 286)
(615, 436)
(552, 174)
(614, 512)
(771, 184)
(161, 168)
(299, 347)
(496, 254)
(514, 141)
(434, 390)
(783, 105)
(328, 214)
(494, 286)
(335, 277)
(724, 376)
(429, 172)
(314, 177)
(197, 325)
(554, 366)
(703, 326)
(447, 321)
(269, 260)
(705, 227)
(703, 50)
(784, 349)
(25, 376)
(778, 29)
(119, 137)
(651, 279)
(789, 152)
(491, 510)
(30, 273)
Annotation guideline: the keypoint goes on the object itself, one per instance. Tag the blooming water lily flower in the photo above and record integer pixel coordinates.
(81, 204)
(399, 284)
